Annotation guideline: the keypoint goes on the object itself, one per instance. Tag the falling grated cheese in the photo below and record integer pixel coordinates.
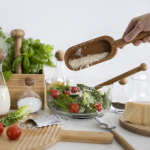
(86, 60)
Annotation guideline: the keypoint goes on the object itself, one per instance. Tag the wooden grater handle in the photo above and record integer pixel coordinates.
(121, 42)
(122, 141)
(18, 34)
(142, 67)
(85, 136)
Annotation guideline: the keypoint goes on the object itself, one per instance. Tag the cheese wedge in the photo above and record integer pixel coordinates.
(137, 112)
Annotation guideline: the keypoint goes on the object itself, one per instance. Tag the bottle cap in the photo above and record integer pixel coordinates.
(123, 81)
(29, 81)
(60, 55)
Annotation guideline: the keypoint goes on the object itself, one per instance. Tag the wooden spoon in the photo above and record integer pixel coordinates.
(97, 46)
(142, 67)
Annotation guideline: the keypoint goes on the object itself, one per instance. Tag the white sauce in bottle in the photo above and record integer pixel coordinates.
(4, 100)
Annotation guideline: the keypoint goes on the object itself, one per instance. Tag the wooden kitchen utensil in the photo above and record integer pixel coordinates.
(45, 137)
(97, 46)
(142, 67)
(18, 34)
(116, 135)
(136, 128)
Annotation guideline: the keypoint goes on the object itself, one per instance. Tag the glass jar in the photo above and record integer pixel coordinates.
(141, 87)
(122, 95)
(4, 93)
(29, 97)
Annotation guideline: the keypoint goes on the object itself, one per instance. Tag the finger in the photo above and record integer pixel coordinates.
(146, 39)
(129, 28)
(130, 36)
(149, 41)
(137, 43)
(121, 47)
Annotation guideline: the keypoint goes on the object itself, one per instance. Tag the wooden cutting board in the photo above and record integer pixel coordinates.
(45, 137)
(140, 129)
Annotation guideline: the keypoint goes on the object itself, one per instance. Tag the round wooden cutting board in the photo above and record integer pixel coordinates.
(140, 129)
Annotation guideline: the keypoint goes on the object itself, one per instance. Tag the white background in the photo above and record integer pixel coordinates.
(64, 23)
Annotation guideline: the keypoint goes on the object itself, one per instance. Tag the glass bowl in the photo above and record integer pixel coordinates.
(77, 99)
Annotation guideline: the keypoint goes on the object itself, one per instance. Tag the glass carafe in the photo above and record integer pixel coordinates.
(29, 97)
(4, 93)
(59, 76)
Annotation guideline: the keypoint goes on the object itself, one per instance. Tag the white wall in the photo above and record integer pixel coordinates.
(65, 23)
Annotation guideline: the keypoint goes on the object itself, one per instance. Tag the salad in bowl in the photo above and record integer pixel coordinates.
(79, 101)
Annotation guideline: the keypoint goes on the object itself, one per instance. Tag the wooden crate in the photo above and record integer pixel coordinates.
(16, 87)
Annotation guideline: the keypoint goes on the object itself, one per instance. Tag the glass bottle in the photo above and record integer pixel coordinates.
(122, 96)
(29, 97)
(4, 93)
(59, 76)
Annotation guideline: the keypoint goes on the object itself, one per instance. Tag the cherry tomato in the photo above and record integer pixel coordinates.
(55, 93)
(67, 93)
(1, 128)
(98, 106)
(74, 89)
(74, 108)
(13, 132)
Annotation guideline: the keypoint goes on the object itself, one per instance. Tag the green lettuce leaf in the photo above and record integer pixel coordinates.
(15, 116)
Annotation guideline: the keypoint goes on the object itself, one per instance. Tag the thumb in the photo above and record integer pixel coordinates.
(135, 31)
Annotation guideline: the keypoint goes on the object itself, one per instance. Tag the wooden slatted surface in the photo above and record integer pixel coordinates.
(45, 137)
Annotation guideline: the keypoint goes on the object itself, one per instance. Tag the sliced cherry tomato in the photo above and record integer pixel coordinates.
(55, 93)
(98, 106)
(74, 89)
(13, 132)
(74, 108)
(67, 93)
(1, 128)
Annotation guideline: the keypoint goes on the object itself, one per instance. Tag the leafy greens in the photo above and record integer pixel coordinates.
(34, 55)
(85, 98)
(15, 116)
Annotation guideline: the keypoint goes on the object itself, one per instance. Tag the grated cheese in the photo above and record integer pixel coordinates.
(86, 60)
(78, 52)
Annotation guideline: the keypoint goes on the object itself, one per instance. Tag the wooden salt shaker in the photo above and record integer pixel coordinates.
(18, 34)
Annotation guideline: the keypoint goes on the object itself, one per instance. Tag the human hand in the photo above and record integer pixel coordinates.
(137, 25)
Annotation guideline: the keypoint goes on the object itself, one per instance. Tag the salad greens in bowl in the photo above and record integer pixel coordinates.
(79, 100)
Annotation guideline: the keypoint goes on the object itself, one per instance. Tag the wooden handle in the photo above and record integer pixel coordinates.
(121, 42)
(85, 136)
(18, 34)
(122, 141)
(142, 67)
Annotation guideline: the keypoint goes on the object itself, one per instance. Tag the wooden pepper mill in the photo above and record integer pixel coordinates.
(18, 34)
